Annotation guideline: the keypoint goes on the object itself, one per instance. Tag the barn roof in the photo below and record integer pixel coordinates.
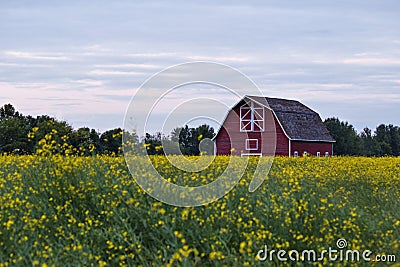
(298, 121)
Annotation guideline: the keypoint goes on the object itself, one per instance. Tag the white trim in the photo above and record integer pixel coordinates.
(296, 154)
(251, 154)
(215, 148)
(318, 154)
(247, 142)
(290, 148)
(326, 154)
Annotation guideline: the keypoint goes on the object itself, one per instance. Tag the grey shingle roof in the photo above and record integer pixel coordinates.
(299, 121)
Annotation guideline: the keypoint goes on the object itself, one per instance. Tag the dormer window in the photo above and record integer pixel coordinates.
(251, 118)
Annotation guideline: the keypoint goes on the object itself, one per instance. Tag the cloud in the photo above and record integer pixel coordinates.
(153, 55)
(88, 82)
(366, 61)
(219, 58)
(115, 73)
(129, 66)
(36, 56)
(45, 98)
(372, 61)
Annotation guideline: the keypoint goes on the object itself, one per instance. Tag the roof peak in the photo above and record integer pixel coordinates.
(268, 97)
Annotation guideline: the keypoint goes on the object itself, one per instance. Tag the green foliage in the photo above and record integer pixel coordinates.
(153, 143)
(8, 111)
(111, 142)
(387, 138)
(21, 134)
(384, 142)
(13, 135)
(87, 139)
(347, 141)
(190, 138)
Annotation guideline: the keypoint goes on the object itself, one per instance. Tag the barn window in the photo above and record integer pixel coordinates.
(296, 154)
(251, 144)
(305, 154)
(326, 154)
(318, 154)
(251, 118)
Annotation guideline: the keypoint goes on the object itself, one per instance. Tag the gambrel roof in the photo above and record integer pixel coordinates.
(298, 121)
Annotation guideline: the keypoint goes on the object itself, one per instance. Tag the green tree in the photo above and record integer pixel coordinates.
(111, 142)
(13, 135)
(14, 128)
(86, 140)
(368, 144)
(8, 111)
(153, 143)
(189, 138)
(394, 132)
(45, 125)
(387, 138)
(347, 140)
(132, 143)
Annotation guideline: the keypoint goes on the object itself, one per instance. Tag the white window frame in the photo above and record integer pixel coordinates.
(248, 142)
(326, 154)
(305, 154)
(318, 154)
(253, 121)
(296, 154)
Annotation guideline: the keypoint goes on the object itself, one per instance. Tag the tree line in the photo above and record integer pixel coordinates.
(383, 141)
(20, 134)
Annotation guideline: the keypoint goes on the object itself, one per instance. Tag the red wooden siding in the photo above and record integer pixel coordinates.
(282, 142)
(311, 147)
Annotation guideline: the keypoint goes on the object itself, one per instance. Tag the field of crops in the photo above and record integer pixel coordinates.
(88, 211)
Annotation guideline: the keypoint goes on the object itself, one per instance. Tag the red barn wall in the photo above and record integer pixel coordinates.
(311, 147)
(223, 143)
(230, 136)
(282, 142)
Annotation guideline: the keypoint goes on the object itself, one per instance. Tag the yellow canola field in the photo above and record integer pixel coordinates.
(89, 211)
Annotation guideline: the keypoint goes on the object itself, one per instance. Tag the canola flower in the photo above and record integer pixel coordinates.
(58, 210)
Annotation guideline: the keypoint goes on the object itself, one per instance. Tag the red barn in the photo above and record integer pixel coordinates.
(266, 126)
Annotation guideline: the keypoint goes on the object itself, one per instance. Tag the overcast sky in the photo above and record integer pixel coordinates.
(81, 61)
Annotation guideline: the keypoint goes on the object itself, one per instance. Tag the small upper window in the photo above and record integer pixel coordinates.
(326, 154)
(318, 154)
(296, 153)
